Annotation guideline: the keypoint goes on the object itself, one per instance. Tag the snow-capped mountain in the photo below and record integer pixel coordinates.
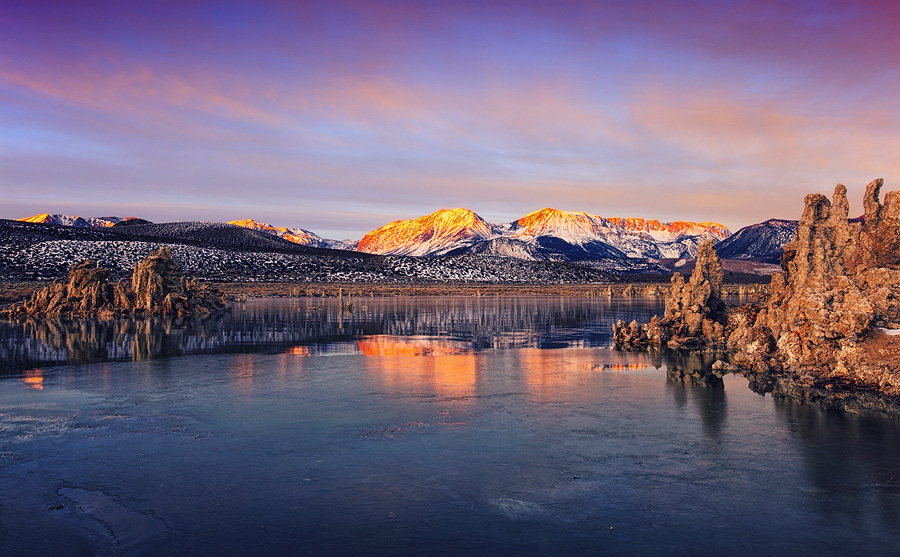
(434, 234)
(79, 222)
(545, 234)
(764, 241)
(634, 237)
(296, 235)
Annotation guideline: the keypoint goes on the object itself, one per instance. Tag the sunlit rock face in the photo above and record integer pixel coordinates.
(157, 286)
(433, 234)
(554, 222)
(633, 237)
(575, 224)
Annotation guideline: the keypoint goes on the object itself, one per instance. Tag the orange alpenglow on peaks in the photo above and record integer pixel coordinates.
(553, 220)
(65, 220)
(584, 224)
(43, 217)
(250, 223)
(581, 235)
(677, 227)
(429, 234)
(292, 235)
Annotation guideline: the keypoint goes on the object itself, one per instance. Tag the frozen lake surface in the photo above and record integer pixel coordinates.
(416, 426)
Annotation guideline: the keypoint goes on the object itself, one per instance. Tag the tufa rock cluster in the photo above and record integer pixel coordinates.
(823, 330)
(157, 287)
(695, 313)
(828, 328)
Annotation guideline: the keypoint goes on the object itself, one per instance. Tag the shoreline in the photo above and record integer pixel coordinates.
(367, 290)
(14, 291)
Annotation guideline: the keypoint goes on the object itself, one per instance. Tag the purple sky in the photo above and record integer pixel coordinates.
(339, 117)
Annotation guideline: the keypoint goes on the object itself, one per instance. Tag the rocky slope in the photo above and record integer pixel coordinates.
(213, 234)
(828, 330)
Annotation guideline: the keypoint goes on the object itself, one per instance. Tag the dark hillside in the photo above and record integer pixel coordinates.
(762, 242)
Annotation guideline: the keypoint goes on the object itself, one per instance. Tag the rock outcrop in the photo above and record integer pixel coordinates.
(828, 328)
(695, 313)
(157, 287)
(823, 330)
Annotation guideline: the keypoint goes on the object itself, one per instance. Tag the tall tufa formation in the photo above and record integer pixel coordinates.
(695, 312)
(840, 284)
(157, 287)
(157, 282)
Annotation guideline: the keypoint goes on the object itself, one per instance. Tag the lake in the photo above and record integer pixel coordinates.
(434, 425)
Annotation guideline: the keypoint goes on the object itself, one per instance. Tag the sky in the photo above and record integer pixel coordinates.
(341, 116)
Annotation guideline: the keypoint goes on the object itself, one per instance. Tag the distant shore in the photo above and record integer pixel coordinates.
(14, 291)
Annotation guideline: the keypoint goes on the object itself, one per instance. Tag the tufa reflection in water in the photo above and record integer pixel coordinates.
(310, 327)
(854, 459)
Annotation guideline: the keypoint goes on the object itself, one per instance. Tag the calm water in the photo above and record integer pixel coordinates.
(416, 426)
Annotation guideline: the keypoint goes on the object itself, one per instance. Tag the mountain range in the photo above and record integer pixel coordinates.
(78, 222)
(456, 245)
(545, 235)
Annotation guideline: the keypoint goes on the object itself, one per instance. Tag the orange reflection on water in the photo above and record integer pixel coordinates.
(34, 379)
(409, 363)
(409, 346)
(617, 367)
(545, 371)
(241, 372)
(554, 373)
(299, 350)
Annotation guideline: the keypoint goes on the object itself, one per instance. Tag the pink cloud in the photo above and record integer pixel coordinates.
(724, 127)
(139, 90)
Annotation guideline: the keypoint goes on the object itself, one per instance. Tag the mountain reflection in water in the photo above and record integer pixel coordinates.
(399, 326)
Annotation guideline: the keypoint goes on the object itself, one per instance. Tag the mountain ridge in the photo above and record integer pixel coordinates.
(295, 235)
(77, 222)
(547, 234)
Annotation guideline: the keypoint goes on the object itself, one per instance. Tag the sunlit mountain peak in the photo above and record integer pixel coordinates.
(553, 221)
(432, 234)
